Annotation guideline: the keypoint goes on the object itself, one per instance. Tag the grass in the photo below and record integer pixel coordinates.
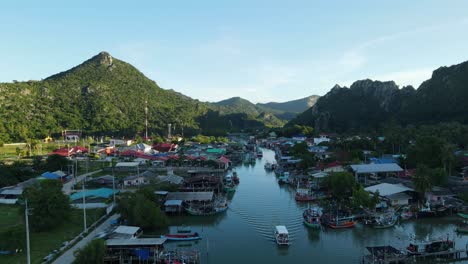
(9, 216)
(42, 243)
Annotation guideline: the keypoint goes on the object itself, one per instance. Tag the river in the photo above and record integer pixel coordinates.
(244, 234)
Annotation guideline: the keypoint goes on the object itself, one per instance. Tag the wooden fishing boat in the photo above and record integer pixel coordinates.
(385, 221)
(463, 215)
(311, 218)
(434, 246)
(463, 229)
(281, 236)
(338, 222)
(182, 237)
(217, 207)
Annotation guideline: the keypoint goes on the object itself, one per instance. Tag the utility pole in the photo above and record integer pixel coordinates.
(146, 120)
(28, 250)
(84, 206)
(113, 185)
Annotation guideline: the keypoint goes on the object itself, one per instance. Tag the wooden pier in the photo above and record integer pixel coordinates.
(449, 256)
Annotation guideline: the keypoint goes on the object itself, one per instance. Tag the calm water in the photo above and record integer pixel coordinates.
(244, 234)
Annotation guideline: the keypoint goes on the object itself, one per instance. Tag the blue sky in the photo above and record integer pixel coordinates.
(259, 50)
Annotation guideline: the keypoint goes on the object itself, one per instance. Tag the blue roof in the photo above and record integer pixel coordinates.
(96, 193)
(382, 160)
(50, 175)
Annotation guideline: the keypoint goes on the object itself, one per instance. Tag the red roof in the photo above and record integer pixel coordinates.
(224, 160)
(65, 152)
(165, 147)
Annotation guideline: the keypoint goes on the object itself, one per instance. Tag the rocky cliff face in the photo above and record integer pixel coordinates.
(364, 103)
(368, 104)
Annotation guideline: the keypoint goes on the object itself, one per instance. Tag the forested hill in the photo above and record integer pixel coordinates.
(369, 105)
(294, 106)
(106, 96)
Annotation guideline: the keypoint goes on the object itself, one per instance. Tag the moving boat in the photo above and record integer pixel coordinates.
(182, 237)
(434, 246)
(311, 217)
(281, 236)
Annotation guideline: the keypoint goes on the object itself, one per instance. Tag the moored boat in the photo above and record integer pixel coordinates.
(338, 222)
(303, 195)
(463, 215)
(463, 229)
(281, 236)
(182, 237)
(385, 221)
(434, 246)
(311, 217)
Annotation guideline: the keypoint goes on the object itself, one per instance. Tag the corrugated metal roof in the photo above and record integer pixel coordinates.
(130, 230)
(127, 164)
(173, 203)
(376, 168)
(190, 196)
(136, 242)
(281, 229)
(386, 189)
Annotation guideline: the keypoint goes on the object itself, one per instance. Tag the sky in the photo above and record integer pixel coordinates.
(259, 50)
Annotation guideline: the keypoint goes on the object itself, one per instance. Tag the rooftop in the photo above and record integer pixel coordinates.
(190, 196)
(130, 230)
(281, 230)
(386, 189)
(135, 242)
(376, 168)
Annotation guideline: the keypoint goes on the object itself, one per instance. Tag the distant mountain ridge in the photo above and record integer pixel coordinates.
(294, 106)
(368, 105)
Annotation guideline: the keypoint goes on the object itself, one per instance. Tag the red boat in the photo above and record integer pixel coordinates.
(182, 237)
(338, 222)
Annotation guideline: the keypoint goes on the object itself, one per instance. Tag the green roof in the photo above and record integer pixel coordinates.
(216, 150)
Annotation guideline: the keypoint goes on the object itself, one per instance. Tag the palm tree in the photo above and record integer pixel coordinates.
(422, 180)
(447, 157)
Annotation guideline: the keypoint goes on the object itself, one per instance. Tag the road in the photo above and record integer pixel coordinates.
(67, 187)
(68, 256)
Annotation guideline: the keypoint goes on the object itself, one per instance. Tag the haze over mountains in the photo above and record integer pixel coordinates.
(106, 96)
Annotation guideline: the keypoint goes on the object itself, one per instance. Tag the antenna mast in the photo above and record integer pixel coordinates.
(146, 119)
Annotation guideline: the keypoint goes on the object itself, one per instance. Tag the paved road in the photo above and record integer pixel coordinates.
(68, 256)
(67, 187)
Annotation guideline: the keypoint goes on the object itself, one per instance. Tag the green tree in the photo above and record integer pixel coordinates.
(93, 253)
(361, 198)
(140, 209)
(422, 180)
(50, 207)
(55, 162)
(341, 184)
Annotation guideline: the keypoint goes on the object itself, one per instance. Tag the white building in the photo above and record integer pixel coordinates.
(322, 138)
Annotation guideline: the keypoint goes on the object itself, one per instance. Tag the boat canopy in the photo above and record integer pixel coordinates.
(281, 230)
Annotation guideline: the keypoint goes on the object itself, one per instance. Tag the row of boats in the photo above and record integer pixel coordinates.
(314, 218)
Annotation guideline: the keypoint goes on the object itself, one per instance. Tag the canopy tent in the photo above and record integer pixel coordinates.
(281, 230)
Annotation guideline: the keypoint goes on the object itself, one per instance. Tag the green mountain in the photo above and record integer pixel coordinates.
(106, 96)
(294, 106)
(240, 105)
(369, 105)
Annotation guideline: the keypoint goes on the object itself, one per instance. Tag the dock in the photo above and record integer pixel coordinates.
(390, 255)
